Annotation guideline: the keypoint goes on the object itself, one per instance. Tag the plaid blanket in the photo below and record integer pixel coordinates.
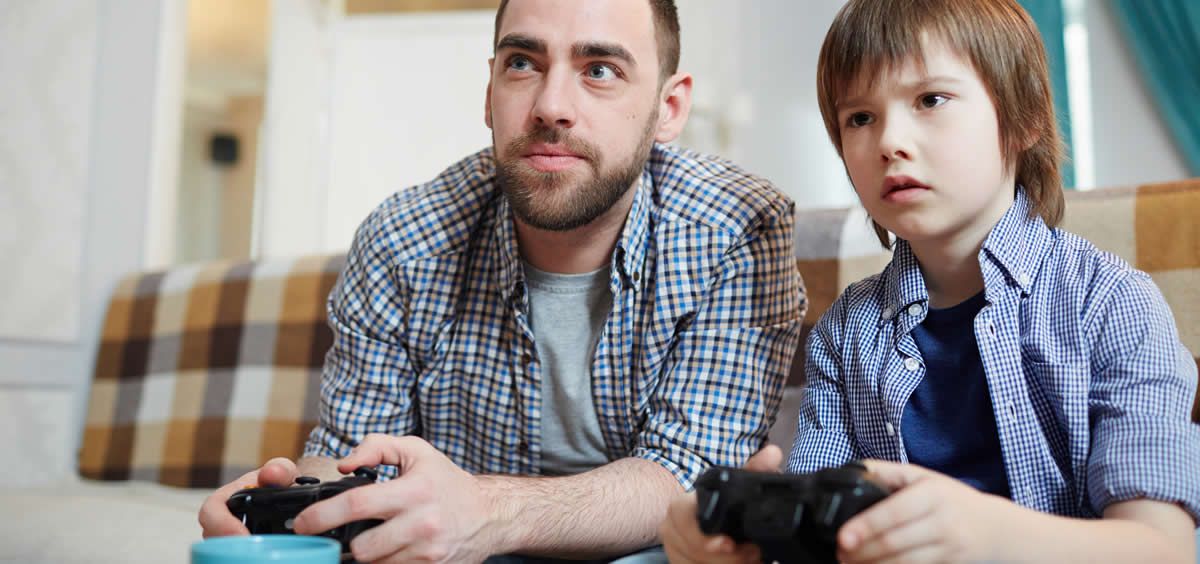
(204, 372)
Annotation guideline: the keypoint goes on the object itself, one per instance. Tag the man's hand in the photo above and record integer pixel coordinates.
(433, 512)
(215, 518)
(682, 538)
(929, 517)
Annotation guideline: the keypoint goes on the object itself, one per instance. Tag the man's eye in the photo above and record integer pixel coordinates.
(859, 119)
(520, 63)
(933, 100)
(601, 72)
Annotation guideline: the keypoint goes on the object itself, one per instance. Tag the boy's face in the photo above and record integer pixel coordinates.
(923, 150)
(573, 104)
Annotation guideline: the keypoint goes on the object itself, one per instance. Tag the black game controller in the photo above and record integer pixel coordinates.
(270, 511)
(792, 518)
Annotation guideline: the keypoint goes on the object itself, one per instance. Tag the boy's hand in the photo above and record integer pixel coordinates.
(683, 540)
(929, 517)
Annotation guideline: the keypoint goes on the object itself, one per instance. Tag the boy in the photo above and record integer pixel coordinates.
(1031, 382)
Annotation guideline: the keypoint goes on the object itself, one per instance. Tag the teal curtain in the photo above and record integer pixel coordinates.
(1165, 38)
(1048, 14)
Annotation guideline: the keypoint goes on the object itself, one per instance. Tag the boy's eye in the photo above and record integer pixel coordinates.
(859, 119)
(932, 100)
(601, 72)
(520, 63)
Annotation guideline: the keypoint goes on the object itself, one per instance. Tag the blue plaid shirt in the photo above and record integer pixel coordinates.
(432, 334)
(1091, 388)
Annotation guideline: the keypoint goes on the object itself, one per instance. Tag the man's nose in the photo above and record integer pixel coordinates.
(555, 104)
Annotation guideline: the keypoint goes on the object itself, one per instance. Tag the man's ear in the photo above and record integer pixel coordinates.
(487, 99)
(674, 106)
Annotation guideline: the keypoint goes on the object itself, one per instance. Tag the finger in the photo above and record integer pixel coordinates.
(383, 500)
(681, 534)
(378, 449)
(768, 459)
(278, 472)
(894, 475)
(896, 510)
(403, 538)
(215, 517)
(898, 541)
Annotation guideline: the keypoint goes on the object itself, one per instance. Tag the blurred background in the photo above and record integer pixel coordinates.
(144, 134)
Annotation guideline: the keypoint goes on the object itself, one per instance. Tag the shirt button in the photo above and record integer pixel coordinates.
(1024, 279)
(887, 313)
(915, 310)
(912, 364)
(1012, 410)
(891, 429)
(991, 329)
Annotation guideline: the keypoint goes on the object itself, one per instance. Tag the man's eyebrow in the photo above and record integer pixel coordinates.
(522, 42)
(601, 50)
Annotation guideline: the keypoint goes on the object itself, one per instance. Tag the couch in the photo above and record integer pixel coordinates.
(205, 371)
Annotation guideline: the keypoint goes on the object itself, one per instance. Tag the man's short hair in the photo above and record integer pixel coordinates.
(868, 38)
(666, 28)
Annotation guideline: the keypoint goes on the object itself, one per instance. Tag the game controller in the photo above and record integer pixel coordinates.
(792, 518)
(271, 511)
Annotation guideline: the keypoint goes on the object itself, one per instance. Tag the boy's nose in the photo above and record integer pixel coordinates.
(893, 142)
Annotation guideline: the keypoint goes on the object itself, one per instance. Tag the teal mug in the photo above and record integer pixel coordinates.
(257, 549)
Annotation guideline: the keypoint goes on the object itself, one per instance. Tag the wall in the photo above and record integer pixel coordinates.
(1131, 144)
(43, 386)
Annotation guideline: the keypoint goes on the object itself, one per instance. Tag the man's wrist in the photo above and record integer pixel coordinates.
(499, 520)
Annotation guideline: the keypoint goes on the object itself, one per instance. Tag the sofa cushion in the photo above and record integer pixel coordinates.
(79, 521)
(204, 372)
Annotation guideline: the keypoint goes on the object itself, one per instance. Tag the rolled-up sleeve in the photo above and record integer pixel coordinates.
(1144, 444)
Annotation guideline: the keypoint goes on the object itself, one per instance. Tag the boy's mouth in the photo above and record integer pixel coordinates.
(895, 186)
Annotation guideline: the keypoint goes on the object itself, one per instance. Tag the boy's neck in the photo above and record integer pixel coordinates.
(950, 267)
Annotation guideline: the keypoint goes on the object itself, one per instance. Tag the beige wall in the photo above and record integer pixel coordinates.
(356, 7)
(237, 203)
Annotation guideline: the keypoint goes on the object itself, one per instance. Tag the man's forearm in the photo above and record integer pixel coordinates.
(610, 510)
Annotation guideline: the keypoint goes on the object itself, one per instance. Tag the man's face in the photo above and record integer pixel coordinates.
(923, 150)
(573, 105)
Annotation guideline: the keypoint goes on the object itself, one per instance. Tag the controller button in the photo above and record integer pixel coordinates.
(306, 481)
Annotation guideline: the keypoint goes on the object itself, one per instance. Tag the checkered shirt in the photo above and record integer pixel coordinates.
(1091, 387)
(432, 335)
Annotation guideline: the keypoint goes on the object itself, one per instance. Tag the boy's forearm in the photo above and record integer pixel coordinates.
(1050, 538)
(613, 509)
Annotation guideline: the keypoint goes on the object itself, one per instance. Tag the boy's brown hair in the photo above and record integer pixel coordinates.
(868, 38)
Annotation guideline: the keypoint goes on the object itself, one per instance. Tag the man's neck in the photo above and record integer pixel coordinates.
(583, 249)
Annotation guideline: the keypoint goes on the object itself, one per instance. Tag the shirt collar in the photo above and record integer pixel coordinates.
(1010, 259)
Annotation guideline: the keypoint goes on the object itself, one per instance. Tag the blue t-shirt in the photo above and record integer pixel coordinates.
(948, 424)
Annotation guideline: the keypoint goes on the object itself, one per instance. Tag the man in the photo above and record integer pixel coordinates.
(557, 335)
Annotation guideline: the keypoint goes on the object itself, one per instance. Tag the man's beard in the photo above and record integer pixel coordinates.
(566, 205)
